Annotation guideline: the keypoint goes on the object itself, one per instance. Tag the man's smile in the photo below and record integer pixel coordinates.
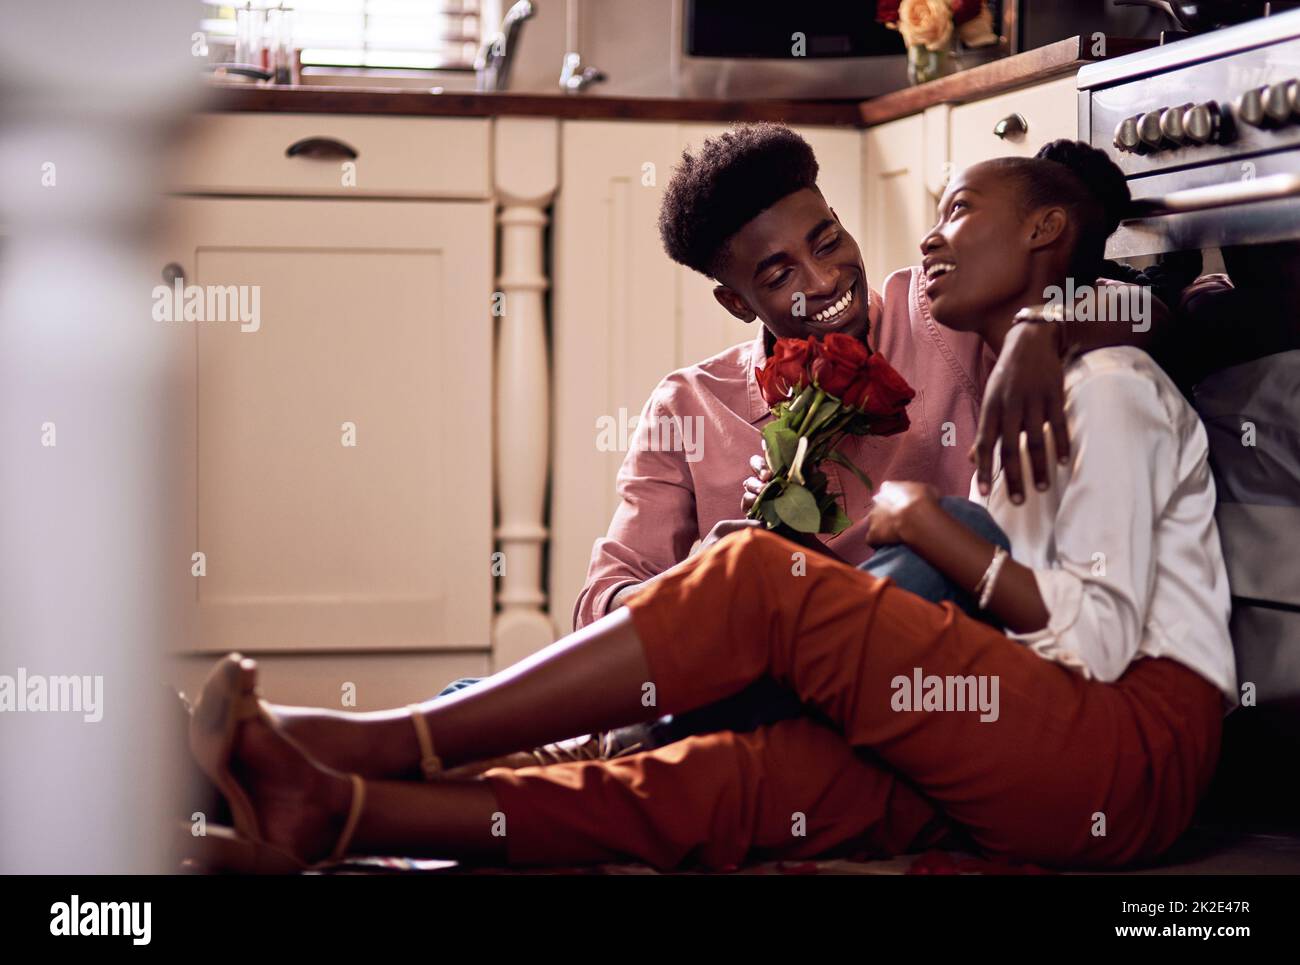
(841, 313)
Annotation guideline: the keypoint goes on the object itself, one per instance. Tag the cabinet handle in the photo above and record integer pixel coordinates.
(323, 148)
(1012, 126)
(172, 271)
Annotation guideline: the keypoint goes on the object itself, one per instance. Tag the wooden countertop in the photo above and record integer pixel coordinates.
(1044, 63)
(375, 100)
(1032, 66)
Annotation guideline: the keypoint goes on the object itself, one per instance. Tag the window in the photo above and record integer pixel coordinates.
(431, 34)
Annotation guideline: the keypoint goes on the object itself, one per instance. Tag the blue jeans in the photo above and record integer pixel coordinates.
(765, 701)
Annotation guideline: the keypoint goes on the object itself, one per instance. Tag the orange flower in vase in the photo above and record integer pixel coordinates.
(928, 28)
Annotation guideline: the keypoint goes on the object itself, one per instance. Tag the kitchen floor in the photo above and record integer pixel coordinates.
(1203, 851)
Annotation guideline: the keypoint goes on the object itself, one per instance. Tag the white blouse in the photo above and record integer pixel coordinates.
(1124, 546)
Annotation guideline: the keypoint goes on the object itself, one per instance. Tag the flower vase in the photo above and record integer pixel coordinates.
(924, 64)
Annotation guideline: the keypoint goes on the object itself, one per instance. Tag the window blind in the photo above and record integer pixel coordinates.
(441, 34)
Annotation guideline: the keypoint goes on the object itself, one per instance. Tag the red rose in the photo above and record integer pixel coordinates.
(889, 425)
(884, 392)
(963, 10)
(786, 373)
(838, 362)
(887, 11)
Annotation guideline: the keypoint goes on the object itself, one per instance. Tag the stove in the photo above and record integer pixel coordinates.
(1207, 130)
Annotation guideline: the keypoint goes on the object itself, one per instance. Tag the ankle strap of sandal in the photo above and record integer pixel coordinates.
(354, 818)
(430, 763)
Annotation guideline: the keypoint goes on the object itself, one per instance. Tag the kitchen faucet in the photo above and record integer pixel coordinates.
(492, 65)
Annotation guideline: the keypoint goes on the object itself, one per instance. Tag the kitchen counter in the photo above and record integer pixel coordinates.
(1044, 63)
(1031, 67)
(396, 101)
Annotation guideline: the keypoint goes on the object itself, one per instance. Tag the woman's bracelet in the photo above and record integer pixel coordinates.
(989, 580)
(1053, 314)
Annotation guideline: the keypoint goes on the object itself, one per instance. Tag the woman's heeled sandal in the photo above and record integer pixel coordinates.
(229, 698)
(430, 762)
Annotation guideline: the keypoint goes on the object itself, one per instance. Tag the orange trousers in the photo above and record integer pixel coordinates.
(1068, 772)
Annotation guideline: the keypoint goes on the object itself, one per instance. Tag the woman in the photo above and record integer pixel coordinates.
(1082, 736)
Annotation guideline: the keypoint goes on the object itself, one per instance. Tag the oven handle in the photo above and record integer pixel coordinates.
(1272, 187)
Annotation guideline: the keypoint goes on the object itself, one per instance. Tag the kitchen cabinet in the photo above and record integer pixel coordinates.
(897, 204)
(1049, 111)
(340, 445)
(344, 156)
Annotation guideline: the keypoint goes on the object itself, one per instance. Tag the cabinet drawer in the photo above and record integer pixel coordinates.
(399, 157)
(1050, 110)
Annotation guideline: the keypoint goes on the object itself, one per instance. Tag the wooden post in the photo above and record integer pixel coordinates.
(526, 166)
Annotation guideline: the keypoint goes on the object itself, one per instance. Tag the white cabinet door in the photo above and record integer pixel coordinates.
(375, 329)
(624, 315)
(898, 207)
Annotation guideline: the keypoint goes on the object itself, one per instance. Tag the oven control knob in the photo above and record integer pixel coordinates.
(1149, 133)
(1292, 88)
(1277, 105)
(1249, 107)
(1204, 124)
(1171, 124)
(1126, 135)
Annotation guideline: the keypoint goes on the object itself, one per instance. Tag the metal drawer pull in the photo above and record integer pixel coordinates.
(324, 148)
(1273, 187)
(1012, 126)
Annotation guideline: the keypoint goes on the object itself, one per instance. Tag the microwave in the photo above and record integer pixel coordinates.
(736, 50)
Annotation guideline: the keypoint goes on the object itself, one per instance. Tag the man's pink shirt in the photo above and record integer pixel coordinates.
(690, 454)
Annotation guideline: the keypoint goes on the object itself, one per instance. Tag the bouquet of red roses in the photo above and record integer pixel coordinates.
(821, 391)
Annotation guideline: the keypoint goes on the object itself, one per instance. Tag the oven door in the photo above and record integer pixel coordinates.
(1239, 202)
(1243, 214)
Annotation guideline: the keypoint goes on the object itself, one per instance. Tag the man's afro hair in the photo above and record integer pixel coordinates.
(731, 180)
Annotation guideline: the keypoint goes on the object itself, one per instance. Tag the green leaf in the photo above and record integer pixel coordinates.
(838, 520)
(847, 463)
(769, 514)
(775, 462)
(798, 509)
(781, 445)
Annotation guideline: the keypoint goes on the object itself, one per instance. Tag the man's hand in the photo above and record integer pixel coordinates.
(754, 486)
(1024, 391)
(897, 506)
(755, 483)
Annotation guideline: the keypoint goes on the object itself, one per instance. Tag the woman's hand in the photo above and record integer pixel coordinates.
(1024, 391)
(897, 508)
